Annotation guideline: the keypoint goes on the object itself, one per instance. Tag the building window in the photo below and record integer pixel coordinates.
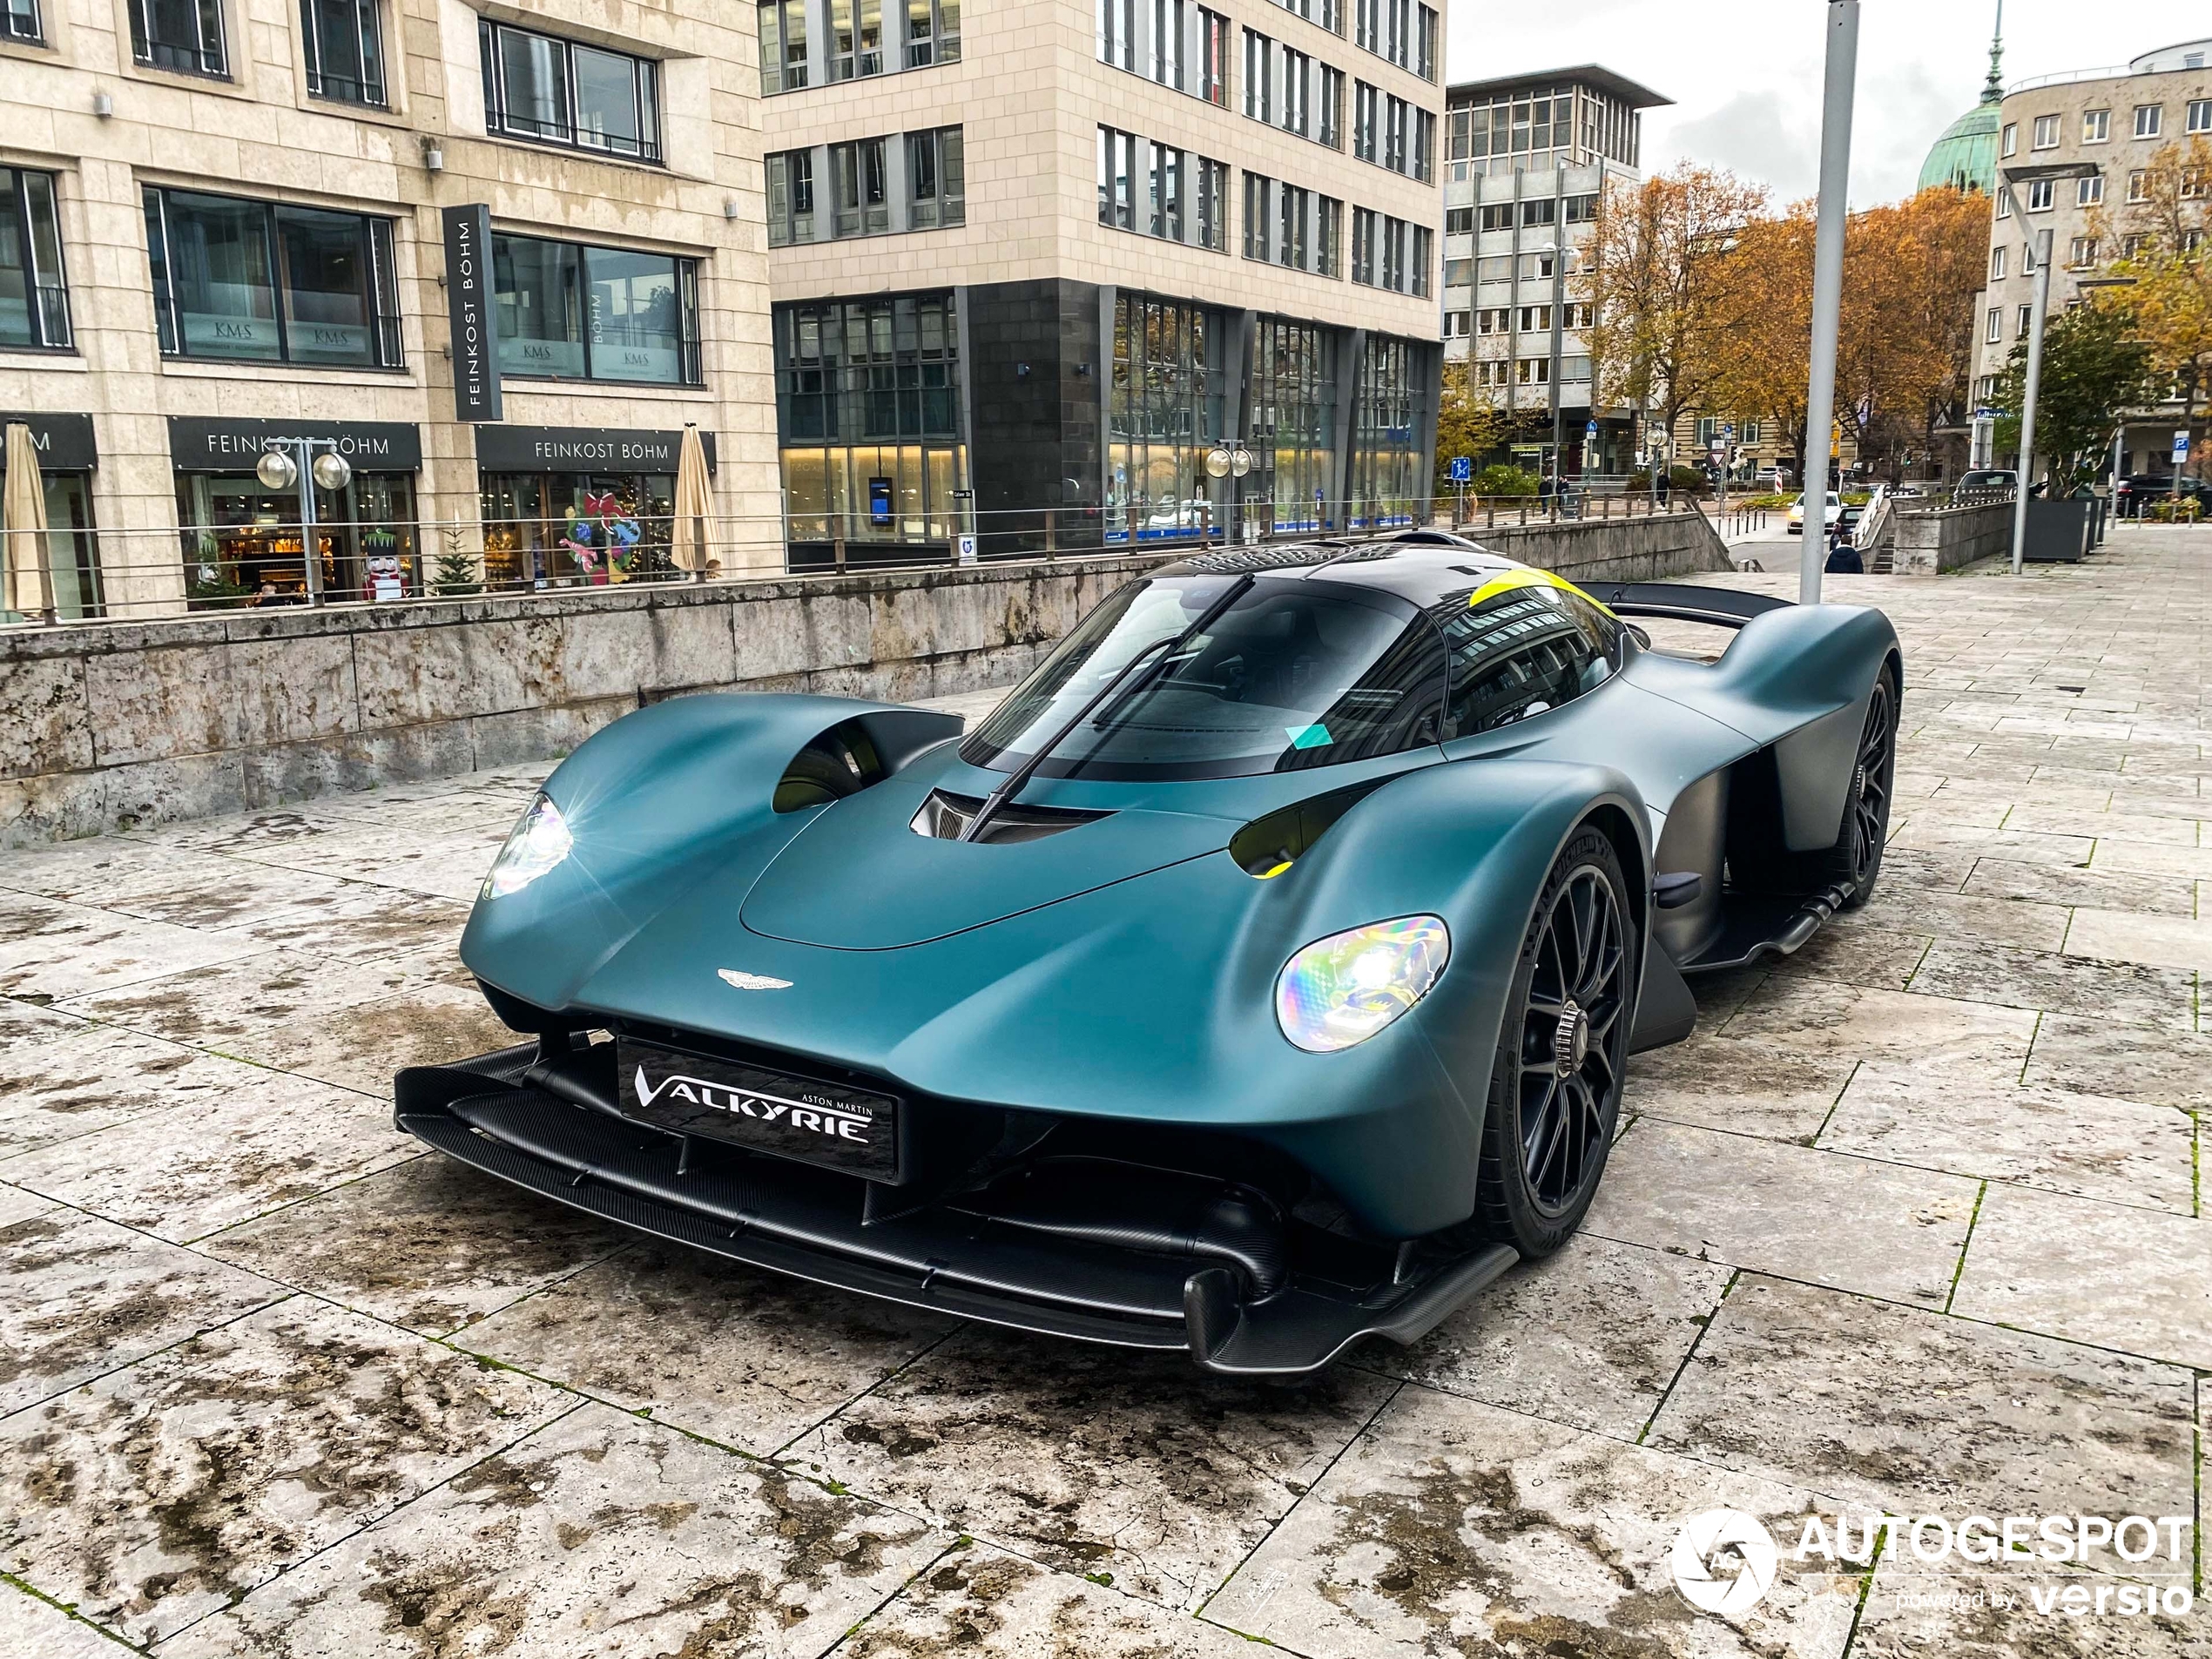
(1328, 238)
(933, 32)
(1455, 324)
(1459, 274)
(2088, 191)
(1290, 426)
(345, 51)
(783, 46)
(1533, 371)
(1213, 57)
(2047, 133)
(867, 395)
(1117, 33)
(1499, 216)
(1330, 112)
(1997, 264)
(1398, 41)
(19, 21)
(1167, 43)
(1459, 221)
(2096, 126)
(1297, 109)
(1166, 216)
(1163, 410)
(556, 91)
(1582, 210)
(1430, 26)
(568, 311)
(936, 180)
(1540, 211)
(1395, 112)
(1259, 194)
(1293, 246)
(2039, 195)
(1368, 20)
(1424, 146)
(2003, 203)
(1366, 102)
(1420, 260)
(1116, 179)
(1363, 245)
(34, 294)
(1388, 417)
(1259, 81)
(1211, 210)
(2010, 143)
(1536, 317)
(2200, 115)
(791, 197)
(2139, 187)
(255, 281)
(859, 177)
(856, 39)
(1994, 330)
(1391, 274)
(2027, 317)
(185, 35)
(2150, 120)
(2081, 252)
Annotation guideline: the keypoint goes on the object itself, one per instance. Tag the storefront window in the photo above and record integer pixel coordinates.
(572, 313)
(243, 542)
(576, 529)
(1292, 427)
(869, 413)
(1163, 413)
(1387, 416)
(268, 283)
(72, 549)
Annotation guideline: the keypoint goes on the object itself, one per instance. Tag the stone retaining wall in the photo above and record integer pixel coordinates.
(1950, 538)
(113, 725)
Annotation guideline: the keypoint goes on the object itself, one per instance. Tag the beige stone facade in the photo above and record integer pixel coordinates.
(1087, 134)
(76, 107)
(2114, 120)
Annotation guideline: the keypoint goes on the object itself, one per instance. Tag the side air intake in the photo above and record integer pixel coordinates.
(858, 754)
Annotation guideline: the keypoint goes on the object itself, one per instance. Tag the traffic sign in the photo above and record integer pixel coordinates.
(966, 549)
(2180, 449)
(1462, 469)
(1590, 431)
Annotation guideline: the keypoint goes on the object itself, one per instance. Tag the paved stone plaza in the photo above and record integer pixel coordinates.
(1913, 1224)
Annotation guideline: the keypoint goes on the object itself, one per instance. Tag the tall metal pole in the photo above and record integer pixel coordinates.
(2037, 312)
(1828, 282)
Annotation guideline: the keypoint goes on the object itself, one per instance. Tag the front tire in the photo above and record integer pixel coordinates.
(1562, 1054)
(1857, 858)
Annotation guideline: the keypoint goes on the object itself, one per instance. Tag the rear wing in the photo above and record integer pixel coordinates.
(1678, 602)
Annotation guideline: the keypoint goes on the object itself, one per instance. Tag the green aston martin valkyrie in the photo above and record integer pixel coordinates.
(1261, 976)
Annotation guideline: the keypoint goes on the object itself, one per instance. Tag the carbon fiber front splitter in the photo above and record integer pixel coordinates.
(791, 1218)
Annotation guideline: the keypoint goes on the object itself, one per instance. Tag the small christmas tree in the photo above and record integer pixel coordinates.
(457, 572)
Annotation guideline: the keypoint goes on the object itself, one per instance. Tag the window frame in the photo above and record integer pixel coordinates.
(690, 357)
(1259, 76)
(940, 45)
(790, 174)
(33, 36)
(944, 149)
(645, 92)
(850, 57)
(380, 275)
(2089, 190)
(1116, 179)
(368, 21)
(2150, 120)
(1213, 57)
(2044, 135)
(2096, 126)
(2198, 117)
(42, 292)
(213, 62)
(852, 161)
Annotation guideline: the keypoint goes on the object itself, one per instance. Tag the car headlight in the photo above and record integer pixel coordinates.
(538, 841)
(1343, 990)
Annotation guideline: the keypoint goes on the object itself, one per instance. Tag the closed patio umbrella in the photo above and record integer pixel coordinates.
(26, 584)
(694, 526)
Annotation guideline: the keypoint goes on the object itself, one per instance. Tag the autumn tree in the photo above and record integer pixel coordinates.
(2095, 365)
(1469, 422)
(1760, 361)
(1659, 274)
(2159, 243)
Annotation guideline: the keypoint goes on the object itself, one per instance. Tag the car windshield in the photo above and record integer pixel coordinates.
(1290, 675)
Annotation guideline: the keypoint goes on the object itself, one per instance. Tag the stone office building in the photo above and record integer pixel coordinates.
(1032, 261)
(1529, 160)
(220, 223)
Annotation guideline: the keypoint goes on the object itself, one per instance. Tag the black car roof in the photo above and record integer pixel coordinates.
(1421, 567)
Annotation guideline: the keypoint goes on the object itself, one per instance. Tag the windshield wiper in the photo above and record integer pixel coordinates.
(1164, 649)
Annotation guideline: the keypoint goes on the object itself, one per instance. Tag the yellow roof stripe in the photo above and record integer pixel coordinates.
(1527, 576)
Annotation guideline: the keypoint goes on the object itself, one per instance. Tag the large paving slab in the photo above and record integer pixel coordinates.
(1914, 1221)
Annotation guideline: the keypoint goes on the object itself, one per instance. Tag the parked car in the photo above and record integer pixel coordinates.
(1986, 478)
(2135, 492)
(1260, 976)
(1829, 519)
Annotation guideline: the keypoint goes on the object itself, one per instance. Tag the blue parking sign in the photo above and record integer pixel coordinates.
(1462, 469)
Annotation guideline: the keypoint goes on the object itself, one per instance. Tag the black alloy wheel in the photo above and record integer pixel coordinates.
(1562, 1057)
(1866, 812)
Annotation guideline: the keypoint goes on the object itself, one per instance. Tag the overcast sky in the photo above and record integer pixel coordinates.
(1745, 74)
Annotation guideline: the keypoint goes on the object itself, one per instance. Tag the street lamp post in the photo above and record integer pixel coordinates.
(1828, 278)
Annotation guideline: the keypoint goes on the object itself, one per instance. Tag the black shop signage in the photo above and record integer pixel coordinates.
(64, 442)
(469, 309)
(581, 449)
(199, 444)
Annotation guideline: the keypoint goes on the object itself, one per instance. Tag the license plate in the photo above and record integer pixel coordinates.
(852, 1129)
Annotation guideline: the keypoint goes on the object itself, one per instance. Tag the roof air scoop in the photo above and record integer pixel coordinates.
(945, 817)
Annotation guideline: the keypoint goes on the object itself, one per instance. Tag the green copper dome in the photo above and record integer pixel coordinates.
(1964, 158)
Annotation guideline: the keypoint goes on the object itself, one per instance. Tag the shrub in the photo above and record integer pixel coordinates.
(1507, 481)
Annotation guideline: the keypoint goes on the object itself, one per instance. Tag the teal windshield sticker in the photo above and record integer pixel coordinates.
(1308, 736)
